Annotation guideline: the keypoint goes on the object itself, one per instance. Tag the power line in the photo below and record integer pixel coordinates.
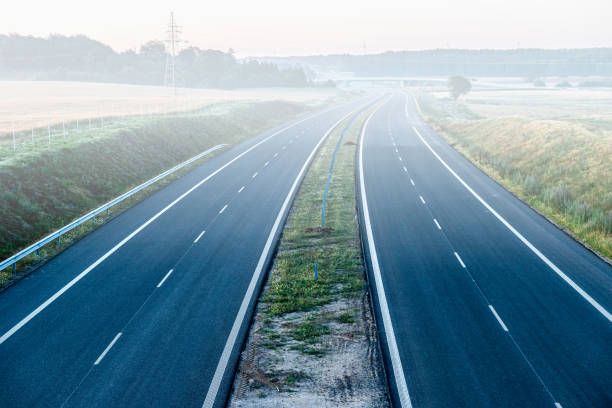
(172, 44)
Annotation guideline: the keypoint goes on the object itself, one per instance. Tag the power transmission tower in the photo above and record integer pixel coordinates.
(172, 44)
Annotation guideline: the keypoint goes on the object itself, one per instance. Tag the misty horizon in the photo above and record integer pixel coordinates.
(306, 204)
(274, 28)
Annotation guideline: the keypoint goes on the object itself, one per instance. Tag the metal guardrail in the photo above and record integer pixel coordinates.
(57, 234)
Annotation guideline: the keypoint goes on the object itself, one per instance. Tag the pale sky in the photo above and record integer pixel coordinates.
(276, 27)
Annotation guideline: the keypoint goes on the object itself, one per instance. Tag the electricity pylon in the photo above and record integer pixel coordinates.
(172, 44)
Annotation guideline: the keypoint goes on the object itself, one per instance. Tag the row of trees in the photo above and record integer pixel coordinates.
(469, 63)
(79, 58)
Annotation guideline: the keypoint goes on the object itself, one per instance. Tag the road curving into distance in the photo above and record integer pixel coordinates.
(152, 308)
(480, 301)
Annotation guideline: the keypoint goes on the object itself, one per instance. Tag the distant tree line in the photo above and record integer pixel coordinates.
(78, 58)
(468, 63)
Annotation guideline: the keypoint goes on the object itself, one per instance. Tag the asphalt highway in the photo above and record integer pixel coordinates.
(481, 302)
(151, 309)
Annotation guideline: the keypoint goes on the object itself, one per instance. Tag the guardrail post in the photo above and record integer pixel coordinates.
(59, 241)
(15, 268)
(93, 221)
(38, 252)
(107, 210)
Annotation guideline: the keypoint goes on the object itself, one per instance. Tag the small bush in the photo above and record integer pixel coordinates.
(503, 167)
(559, 197)
(602, 221)
(581, 212)
(532, 185)
(346, 317)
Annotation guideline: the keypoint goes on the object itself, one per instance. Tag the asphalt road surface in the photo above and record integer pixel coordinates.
(481, 302)
(152, 308)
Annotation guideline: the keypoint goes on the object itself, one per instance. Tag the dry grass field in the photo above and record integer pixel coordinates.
(551, 147)
(536, 103)
(27, 104)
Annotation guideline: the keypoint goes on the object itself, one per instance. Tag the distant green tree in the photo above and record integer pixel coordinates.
(539, 83)
(458, 86)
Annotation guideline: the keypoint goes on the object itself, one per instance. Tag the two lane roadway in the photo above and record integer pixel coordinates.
(481, 301)
(152, 308)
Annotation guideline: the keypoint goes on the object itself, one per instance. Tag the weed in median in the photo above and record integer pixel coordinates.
(309, 331)
(292, 285)
(346, 317)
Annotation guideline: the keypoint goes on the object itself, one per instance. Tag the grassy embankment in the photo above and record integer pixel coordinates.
(299, 320)
(561, 166)
(44, 188)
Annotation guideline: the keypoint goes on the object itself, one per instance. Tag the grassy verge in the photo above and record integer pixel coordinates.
(561, 167)
(44, 189)
(299, 319)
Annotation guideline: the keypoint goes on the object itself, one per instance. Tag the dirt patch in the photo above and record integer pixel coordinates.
(342, 370)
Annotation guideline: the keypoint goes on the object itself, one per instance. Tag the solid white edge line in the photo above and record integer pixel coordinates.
(396, 362)
(165, 277)
(437, 224)
(241, 188)
(499, 320)
(211, 395)
(199, 236)
(223, 209)
(459, 259)
(80, 276)
(107, 349)
(520, 236)
(422, 200)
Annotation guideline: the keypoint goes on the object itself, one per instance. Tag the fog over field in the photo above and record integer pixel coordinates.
(306, 204)
(27, 104)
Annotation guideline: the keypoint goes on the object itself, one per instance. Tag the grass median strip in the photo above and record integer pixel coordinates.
(324, 327)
